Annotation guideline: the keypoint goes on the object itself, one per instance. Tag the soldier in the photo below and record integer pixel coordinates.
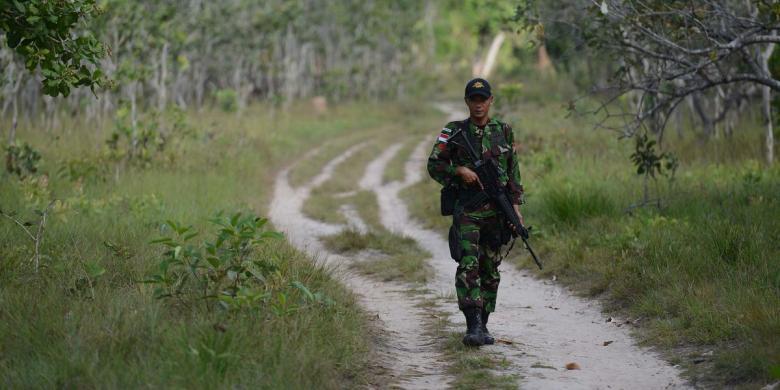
(478, 230)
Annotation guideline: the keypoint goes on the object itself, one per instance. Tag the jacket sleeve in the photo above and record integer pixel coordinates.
(440, 165)
(514, 183)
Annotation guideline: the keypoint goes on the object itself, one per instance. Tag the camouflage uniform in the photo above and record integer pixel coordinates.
(477, 276)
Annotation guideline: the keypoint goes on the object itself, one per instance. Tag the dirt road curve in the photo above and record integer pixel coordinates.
(549, 327)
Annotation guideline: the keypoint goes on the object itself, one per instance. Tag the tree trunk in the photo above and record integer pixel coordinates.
(162, 93)
(544, 63)
(766, 94)
(489, 63)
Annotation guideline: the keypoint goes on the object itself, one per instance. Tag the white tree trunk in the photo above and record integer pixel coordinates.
(162, 92)
(485, 68)
(766, 94)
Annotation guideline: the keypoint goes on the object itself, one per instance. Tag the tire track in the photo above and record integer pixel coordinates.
(410, 356)
(546, 324)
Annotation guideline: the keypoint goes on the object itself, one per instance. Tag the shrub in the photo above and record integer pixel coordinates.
(227, 99)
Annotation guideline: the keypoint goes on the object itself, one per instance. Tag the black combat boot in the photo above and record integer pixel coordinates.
(473, 337)
(487, 339)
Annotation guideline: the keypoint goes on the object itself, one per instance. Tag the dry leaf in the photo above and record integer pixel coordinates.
(608, 343)
(572, 366)
(505, 341)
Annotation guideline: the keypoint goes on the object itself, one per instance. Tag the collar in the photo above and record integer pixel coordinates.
(479, 131)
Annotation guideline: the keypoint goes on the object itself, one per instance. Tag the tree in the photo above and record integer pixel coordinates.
(674, 51)
(43, 33)
(669, 52)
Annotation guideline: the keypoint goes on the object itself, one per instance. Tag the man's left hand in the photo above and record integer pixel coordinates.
(517, 210)
(519, 215)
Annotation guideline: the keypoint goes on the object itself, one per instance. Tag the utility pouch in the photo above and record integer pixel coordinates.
(456, 250)
(454, 238)
(448, 198)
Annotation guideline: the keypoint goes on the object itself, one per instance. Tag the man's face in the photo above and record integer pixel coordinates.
(479, 106)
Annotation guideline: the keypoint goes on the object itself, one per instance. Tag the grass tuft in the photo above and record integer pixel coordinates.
(399, 257)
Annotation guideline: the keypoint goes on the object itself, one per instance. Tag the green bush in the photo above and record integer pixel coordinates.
(227, 99)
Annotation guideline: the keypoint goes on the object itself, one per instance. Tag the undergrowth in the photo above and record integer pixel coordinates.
(237, 313)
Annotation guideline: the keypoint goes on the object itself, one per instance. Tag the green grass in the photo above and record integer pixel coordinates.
(395, 169)
(471, 368)
(702, 272)
(399, 258)
(57, 331)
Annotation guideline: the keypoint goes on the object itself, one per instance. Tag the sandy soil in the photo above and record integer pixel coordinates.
(410, 356)
(545, 326)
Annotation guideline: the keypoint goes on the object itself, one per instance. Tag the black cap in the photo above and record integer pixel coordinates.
(478, 87)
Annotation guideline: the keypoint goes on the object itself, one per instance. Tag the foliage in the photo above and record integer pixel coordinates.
(43, 33)
(145, 141)
(82, 169)
(21, 159)
(223, 269)
(116, 333)
(648, 162)
(227, 99)
(656, 57)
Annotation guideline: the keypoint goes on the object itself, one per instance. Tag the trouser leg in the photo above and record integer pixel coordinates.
(467, 277)
(489, 279)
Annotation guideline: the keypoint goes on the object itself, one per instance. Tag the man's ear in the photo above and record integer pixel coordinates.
(490, 99)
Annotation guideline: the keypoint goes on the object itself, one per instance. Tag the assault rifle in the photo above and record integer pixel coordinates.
(488, 172)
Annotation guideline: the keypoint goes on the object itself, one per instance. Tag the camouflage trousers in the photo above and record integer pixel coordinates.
(477, 276)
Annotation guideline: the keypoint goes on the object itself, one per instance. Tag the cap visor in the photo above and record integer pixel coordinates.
(478, 92)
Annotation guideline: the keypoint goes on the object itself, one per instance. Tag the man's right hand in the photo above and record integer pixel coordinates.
(468, 176)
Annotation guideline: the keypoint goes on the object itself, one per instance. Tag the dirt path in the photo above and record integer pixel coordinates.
(548, 327)
(410, 356)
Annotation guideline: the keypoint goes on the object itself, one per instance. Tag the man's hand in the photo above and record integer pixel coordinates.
(468, 176)
(520, 216)
(517, 210)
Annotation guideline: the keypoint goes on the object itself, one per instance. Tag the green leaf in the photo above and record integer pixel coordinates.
(305, 290)
(94, 270)
(272, 234)
(214, 261)
(19, 6)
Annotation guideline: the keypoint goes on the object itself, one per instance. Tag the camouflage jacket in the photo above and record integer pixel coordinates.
(497, 142)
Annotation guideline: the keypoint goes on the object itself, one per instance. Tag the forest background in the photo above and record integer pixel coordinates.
(647, 135)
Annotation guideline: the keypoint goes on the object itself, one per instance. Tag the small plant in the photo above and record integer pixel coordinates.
(224, 269)
(135, 142)
(145, 141)
(33, 229)
(21, 159)
(227, 99)
(649, 163)
(82, 169)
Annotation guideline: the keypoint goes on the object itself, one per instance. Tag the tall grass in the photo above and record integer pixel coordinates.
(61, 328)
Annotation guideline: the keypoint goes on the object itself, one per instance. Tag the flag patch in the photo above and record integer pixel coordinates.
(443, 137)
